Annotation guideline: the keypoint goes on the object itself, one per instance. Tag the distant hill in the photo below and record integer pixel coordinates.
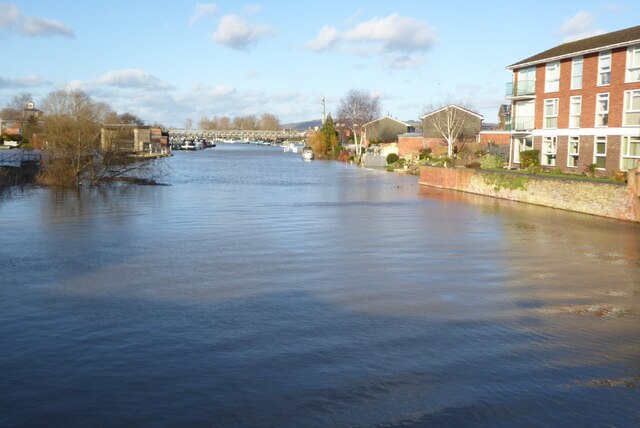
(303, 126)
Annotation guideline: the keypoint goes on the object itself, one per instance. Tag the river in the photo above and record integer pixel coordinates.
(260, 290)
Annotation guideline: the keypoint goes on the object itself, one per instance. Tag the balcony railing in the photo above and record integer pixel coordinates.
(523, 123)
(521, 88)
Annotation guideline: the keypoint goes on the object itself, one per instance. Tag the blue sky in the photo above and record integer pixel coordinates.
(167, 61)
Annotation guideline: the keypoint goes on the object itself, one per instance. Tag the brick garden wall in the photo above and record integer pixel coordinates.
(615, 200)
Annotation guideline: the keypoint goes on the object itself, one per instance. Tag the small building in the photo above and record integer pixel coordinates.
(21, 122)
(134, 138)
(384, 130)
(453, 120)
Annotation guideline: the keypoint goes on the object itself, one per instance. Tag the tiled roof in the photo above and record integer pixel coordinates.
(592, 43)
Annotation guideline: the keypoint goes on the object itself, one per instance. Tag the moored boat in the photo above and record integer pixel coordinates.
(307, 153)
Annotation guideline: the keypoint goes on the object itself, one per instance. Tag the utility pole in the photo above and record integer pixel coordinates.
(324, 110)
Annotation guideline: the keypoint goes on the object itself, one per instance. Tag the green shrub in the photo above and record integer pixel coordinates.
(491, 162)
(442, 161)
(425, 153)
(392, 158)
(556, 171)
(591, 169)
(529, 158)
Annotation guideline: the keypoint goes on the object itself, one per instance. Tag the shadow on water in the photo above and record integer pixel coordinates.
(289, 359)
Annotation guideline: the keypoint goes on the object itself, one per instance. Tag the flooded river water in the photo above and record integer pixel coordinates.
(260, 290)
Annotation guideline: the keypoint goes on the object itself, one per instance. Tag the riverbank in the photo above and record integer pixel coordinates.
(606, 199)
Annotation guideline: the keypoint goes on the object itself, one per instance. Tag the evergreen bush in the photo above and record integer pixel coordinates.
(491, 162)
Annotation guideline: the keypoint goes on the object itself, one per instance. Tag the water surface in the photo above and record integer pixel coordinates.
(261, 290)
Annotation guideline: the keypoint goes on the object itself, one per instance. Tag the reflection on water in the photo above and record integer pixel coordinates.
(258, 289)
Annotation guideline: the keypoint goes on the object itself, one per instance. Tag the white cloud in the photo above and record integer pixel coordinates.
(203, 10)
(236, 33)
(395, 32)
(38, 26)
(132, 78)
(578, 23)
(11, 18)
(403, 62)
(326, 39)
(579, 26)
(251, 75)
(402, 35)
(9, 15)
(76, 85)
(221, 91)
(22, 82)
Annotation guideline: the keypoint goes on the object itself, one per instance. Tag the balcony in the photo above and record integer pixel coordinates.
(521, 89)
(523, 123)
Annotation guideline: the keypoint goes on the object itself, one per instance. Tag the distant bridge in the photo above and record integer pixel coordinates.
(240, 134)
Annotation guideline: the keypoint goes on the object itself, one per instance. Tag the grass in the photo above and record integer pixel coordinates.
(562, 175)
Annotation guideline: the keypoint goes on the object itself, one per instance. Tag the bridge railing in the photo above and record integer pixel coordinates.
(15, 158)
(239, 134)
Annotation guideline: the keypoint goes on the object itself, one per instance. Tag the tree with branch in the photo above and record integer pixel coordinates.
(73, 152)
(455, 124)
(356, 109)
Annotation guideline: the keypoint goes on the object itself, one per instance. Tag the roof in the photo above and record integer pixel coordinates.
(466, 110)
(611, 40)
(386, 117)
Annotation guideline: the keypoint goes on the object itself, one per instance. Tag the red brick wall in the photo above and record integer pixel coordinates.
(410, 145)
(497, 138)
(588, 92)
(585, 155)
(598, 198)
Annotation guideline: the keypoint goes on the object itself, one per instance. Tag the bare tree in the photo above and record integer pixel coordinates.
(20, 101)
(269, 122)
(72, 129)
(455, 124)
(73, 152)
(357, 108)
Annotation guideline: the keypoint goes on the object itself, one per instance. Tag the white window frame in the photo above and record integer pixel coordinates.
(554, 104)
(577, 63)
(603, 69)
(574, 116)
(624, 150)
(552, 77)
(603, 113)
(521, 144)
(596, 155)
(573, 156)
(550, 143)
(628, 106)
(633, 64)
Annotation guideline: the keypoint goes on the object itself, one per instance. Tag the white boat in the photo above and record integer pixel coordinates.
(307, 153)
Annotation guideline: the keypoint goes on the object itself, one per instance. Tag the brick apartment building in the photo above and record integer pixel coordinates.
(579, 104)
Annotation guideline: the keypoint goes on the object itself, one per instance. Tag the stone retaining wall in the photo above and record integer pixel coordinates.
(608, 199)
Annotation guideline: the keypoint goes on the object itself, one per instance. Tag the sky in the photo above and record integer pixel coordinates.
(171, 61)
